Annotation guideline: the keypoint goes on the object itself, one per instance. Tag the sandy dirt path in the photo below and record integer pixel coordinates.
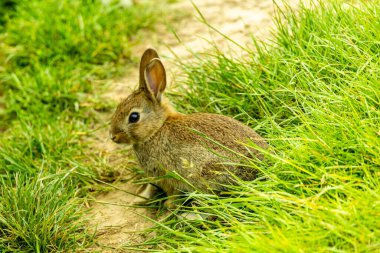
(118, 224)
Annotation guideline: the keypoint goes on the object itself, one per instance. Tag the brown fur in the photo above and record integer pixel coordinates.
(200, 147)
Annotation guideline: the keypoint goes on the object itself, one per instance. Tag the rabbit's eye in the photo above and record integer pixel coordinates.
(134, 117)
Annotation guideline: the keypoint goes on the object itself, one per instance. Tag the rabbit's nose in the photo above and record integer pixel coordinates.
(112, 136)
(117, 138)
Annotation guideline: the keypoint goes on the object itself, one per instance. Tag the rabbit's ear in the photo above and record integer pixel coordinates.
(155, 78)
(147, 56)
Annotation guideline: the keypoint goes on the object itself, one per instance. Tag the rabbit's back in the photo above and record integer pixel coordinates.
(198, 146)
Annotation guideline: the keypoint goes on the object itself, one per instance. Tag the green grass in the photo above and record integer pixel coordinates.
(314, 94)
(52, 52)
(41, 214)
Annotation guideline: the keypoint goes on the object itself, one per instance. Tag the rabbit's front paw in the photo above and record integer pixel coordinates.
(145, 193)
(169, 204)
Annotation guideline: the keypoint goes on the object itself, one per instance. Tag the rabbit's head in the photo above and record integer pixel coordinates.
(141, 114)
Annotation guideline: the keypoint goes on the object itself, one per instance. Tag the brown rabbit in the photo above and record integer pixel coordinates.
(202, 148)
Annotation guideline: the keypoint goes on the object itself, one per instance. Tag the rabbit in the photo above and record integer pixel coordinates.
(202, 148)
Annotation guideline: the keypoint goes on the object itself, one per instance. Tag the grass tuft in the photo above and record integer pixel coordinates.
(41, 214)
